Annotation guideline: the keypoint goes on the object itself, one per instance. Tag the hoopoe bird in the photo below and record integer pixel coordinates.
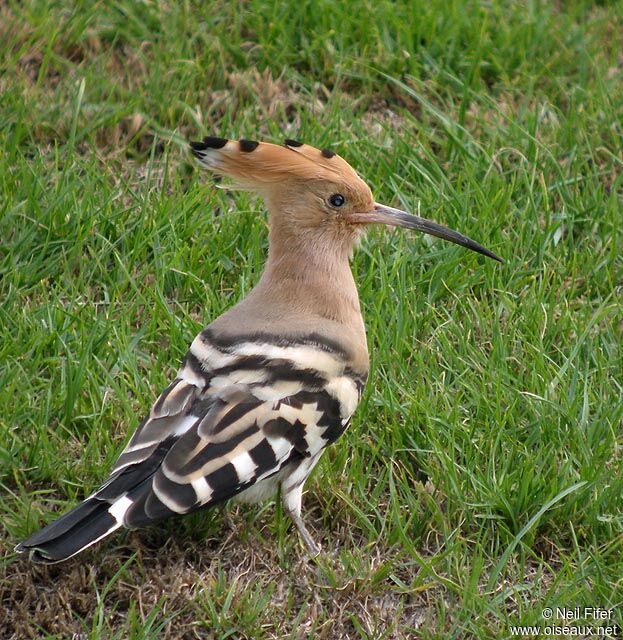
(268, 385)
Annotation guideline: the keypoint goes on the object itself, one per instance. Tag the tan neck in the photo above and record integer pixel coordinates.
(310, 271)
(307, 287)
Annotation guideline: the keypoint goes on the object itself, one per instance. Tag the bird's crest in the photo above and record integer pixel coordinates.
(254, 164)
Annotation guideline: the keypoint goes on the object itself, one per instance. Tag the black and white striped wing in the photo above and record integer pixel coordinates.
(234, 417)
(213, 451)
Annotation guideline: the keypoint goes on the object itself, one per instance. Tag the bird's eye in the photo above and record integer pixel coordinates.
(337, 200)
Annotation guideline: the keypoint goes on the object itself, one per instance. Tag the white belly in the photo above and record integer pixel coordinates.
(260, 491)
(291, 476)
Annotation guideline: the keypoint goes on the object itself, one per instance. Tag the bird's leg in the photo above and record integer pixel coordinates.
(313, 547)
(229, 521)
(292, 498)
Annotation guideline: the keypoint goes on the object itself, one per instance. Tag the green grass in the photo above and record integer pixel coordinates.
(501, 383)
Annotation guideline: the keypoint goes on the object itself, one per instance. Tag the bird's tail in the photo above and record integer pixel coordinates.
(83, 526)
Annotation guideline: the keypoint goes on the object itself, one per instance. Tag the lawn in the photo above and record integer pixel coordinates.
(480, 482)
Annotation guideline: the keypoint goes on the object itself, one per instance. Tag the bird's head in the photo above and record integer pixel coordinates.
(310, 190)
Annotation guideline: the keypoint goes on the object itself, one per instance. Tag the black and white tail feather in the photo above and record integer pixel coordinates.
(243, 416)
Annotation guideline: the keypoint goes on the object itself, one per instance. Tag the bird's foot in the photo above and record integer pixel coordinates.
(313, 547)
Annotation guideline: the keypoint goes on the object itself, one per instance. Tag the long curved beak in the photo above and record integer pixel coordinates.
(397, 218)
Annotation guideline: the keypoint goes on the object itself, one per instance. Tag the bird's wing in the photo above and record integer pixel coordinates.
(234, 416)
